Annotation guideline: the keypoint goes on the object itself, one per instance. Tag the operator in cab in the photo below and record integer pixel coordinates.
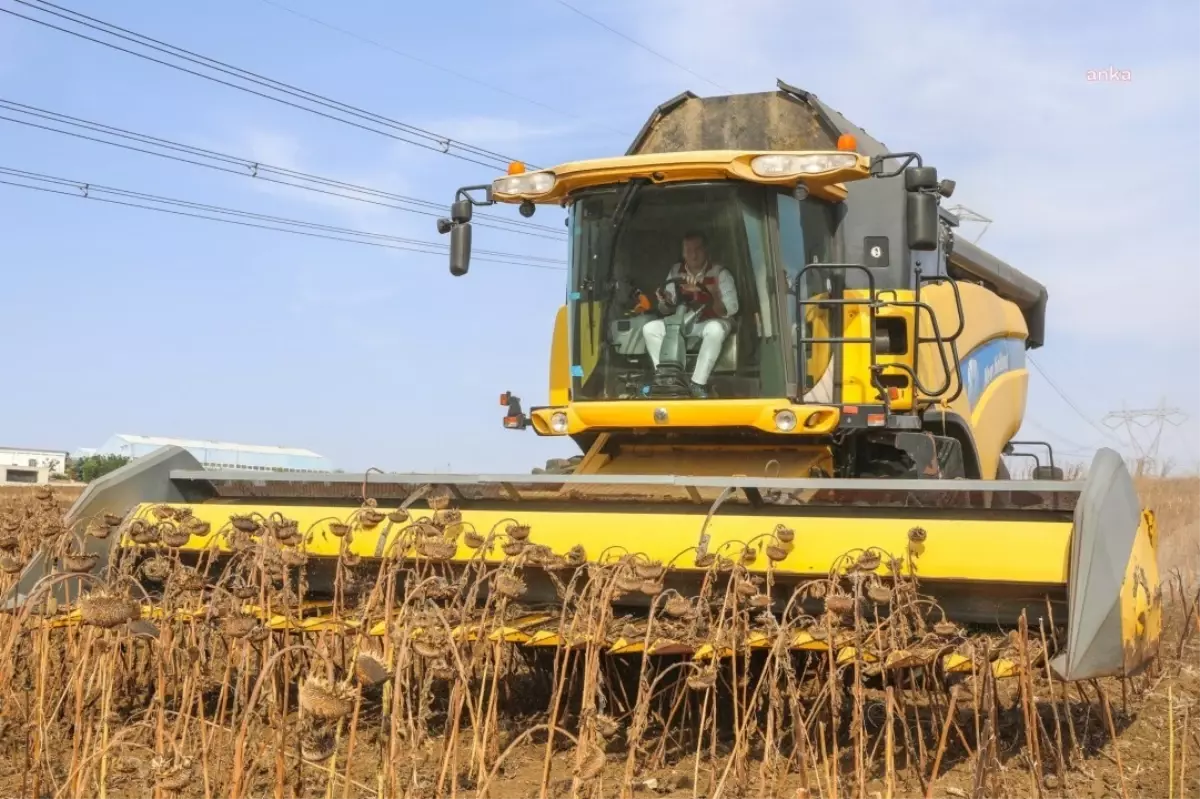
(702, 283)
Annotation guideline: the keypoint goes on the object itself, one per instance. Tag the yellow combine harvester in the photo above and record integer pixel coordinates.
(806, 419)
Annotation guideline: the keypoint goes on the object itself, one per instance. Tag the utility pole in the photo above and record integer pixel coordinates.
(1150, 420)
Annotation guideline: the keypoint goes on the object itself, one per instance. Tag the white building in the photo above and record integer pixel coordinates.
(222, 454)
(30, 465)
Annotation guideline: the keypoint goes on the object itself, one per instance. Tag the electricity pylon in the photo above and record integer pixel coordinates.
(1150, 420)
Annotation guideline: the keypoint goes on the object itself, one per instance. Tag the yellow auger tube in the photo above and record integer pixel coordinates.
(1031, 552)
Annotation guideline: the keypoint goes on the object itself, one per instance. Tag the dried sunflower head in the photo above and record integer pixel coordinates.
(677, 607)
(245, 524)
(437, 549)
(840, 604)
(79, 563)
(339, 529)
(163, 512)
(369, 669)
(880, 594)
(106, 609)
(946, 629)
(518, 532)
(323, 699)
(172, 535)
(317, 745)
(142, 533)
(510, 585)
(759, 601)
(649, 571)
(785, 535)
(607, 726)
(157, 568)
(439, 499)
(868, 561)
(627, 583)
(239, 625)
(369, 518)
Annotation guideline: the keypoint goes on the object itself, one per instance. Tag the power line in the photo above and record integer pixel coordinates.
(461, 76)
(246, 167)
(89, 191)
(433, 141)
(635, 42)
(1072, 405)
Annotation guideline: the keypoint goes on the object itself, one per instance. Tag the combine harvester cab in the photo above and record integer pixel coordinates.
(838, 486)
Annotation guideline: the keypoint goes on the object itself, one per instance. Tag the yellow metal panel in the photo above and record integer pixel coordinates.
(589, 315)
(985, 316)
(1141, 599)
(560, 360)
(997, 418)
(623, 646)
(856, 358)
(706, 461)
(691, 165)
(758, 413)
(969, 549)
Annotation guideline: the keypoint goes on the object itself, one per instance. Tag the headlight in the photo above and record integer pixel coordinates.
(558, 422)
(530, 183)
(781, 165)
(785, 421)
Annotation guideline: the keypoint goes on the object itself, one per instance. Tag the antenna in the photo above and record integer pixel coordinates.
(965, 214)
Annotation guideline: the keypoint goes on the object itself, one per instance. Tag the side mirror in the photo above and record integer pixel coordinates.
(460, 249)
(921, 210)
(460, 211)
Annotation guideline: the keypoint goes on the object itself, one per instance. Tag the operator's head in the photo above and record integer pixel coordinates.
(695, 250)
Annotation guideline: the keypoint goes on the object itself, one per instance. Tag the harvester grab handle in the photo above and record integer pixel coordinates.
(464, 193)
(877, 163)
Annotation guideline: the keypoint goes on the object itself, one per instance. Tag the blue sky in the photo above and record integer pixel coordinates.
(133, 321)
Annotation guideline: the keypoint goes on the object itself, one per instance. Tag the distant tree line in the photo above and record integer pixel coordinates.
(89, 467)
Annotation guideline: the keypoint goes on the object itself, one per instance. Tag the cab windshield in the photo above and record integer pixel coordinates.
(625, 240)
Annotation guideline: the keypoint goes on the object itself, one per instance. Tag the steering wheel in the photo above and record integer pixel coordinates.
(705, 301)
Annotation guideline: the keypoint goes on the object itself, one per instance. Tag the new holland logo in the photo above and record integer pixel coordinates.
(979, 377)
(998, 367)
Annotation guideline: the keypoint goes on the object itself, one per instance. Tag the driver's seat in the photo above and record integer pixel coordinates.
(727, 360)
